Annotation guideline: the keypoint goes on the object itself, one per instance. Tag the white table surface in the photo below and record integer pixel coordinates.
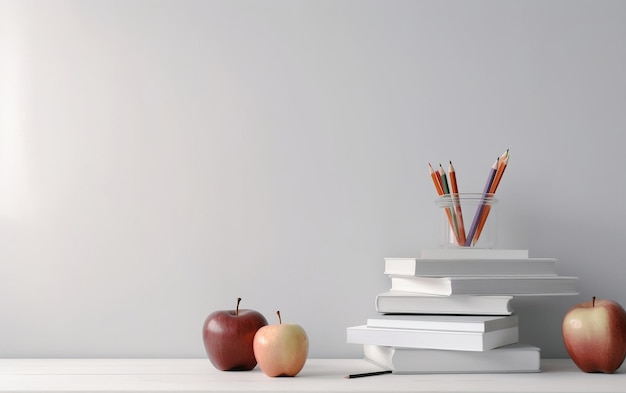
(318, 375)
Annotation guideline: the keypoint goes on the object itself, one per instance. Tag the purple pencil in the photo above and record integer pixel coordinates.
(479, 210)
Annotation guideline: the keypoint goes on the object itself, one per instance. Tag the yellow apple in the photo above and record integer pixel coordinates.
(281, 350)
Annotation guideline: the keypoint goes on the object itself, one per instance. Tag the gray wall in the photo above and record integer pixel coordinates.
(159, 159)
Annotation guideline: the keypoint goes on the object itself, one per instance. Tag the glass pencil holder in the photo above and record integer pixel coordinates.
(468, 220)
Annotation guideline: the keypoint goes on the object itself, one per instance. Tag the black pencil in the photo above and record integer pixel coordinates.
(368, 374)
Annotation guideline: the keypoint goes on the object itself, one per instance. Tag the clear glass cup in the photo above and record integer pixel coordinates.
(468, 220)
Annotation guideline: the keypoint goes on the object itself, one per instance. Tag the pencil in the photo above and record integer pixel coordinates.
(446, 191)
(504, 160)
(444, 181)
(350, 376)
(436, 180)
(457, 205)
(479, 210)
(435, 175)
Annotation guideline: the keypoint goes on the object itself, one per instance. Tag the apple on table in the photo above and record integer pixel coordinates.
(594, 334)
(281, 350)
(228, 338)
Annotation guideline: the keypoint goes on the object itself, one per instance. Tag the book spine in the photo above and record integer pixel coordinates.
(474, 253)
(391, 302)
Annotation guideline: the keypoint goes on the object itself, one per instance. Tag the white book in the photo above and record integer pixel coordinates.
(514, 358)
(487, 285)
(470, 267)
(473, 253)
(458, 323)
(432, 339)
(416, 303)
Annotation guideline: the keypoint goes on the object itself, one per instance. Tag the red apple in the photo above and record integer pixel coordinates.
(594, 334)
(228, 338)
(282, 349)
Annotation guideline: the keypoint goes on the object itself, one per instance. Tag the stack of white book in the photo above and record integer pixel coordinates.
(450, 311)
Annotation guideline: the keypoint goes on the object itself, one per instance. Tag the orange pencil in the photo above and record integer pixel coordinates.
(457, 205)
(439, 187)
(436, 180)
(446, 191)
(504, 160)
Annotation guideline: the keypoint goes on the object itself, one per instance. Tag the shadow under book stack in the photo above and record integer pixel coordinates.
(450, 311)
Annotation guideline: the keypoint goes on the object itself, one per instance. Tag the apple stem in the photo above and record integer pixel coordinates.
(593, 301)
(237, 308)
(280, 321)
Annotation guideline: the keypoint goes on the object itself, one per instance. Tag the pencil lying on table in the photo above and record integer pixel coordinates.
(368, 374)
